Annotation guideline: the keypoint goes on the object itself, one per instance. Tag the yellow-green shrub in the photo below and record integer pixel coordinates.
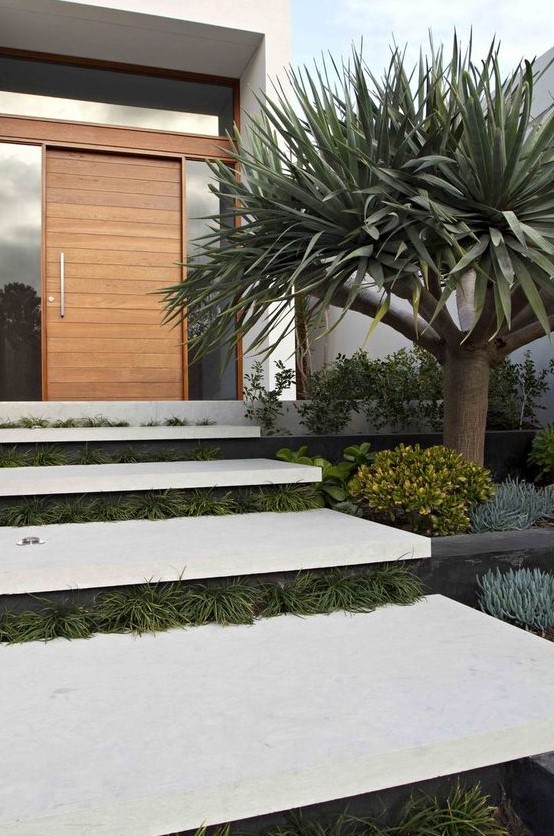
(427, 491)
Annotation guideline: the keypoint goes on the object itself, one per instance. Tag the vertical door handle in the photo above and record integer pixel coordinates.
(62, 284)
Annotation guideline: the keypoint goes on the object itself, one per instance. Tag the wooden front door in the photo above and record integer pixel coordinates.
(114, 230)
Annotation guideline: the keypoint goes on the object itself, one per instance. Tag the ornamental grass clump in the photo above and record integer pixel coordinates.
(428, 491)
(523, 596)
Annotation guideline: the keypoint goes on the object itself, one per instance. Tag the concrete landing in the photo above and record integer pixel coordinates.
(92, 555)
(77, 435)
(144, 476)
(125, 736)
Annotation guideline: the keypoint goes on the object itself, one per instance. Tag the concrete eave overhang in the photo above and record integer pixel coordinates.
(89, 31)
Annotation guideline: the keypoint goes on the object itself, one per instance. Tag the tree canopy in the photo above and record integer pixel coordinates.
(393, 197)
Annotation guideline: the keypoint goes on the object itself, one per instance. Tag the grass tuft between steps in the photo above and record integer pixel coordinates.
(466, 811)
(155, 607)
(157, 505)
(52, 455)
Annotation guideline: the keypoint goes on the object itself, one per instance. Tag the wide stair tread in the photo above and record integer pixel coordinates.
(91, 555)
(140, 736)
(144, 476)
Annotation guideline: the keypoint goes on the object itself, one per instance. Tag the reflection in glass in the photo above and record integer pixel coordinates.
(212, 377)
(20, 235)
(112, 97)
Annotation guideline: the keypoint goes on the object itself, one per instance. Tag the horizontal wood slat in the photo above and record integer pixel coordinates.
(115, 286)
(114, 242)
(127, 375)
(135, 273)
(113, 346)
(101, 156)
(121, 361)
(111, 184)
(101, 167)
(111, 257)
(101, 330)
(79, 211)
(109, 316)
(140, 302)
(103, 198)
(109, 391)
(102, 226)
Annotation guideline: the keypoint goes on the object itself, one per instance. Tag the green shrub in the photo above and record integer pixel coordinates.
(427, 491)
(515, 505)
(391, 392)
(542, 453)
(333, 394)
(523, 596)
(263, 406)
(515, 390)
(405, 388)
(333, 487)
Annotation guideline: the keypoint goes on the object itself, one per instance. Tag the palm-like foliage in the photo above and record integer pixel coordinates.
(387, 197)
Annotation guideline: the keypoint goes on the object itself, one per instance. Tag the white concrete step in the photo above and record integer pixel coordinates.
(144, 476)
(112, 553)
(126, 736)
(57, 435)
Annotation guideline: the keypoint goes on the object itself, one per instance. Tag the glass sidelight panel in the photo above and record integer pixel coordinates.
(20, 273)
(211, 378)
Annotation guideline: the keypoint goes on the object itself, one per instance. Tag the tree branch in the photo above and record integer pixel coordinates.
(524, 336)
(368, 301)
(526, 315)
(443, 324)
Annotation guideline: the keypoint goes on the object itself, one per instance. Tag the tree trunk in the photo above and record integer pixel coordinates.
(466, 397)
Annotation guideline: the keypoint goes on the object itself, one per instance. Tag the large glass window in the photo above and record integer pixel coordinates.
(113, 97)
(20, 237)
(211, 377)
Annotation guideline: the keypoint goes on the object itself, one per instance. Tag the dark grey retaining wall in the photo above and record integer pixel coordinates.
(456, 561)
(505, 452)
(531, 783)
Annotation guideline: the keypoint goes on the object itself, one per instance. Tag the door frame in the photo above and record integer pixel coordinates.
(51, 133)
